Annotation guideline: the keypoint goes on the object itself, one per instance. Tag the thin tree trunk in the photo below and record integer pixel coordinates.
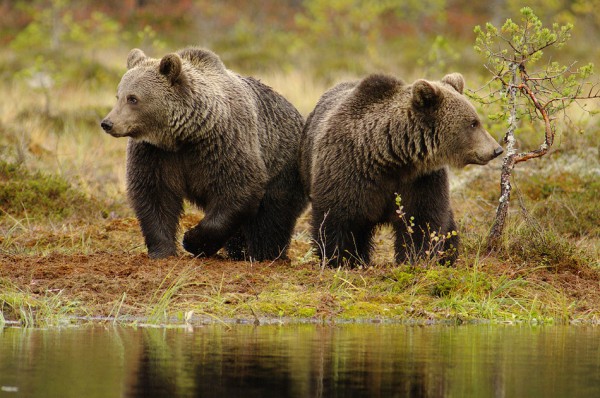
(495, 236)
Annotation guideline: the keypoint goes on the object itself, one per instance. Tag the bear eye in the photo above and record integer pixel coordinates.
(131, 99)
(474, 124)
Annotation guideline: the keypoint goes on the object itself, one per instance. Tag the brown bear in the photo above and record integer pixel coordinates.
(369, 140)
(228, 144)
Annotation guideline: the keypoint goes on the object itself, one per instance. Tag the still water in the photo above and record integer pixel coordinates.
(302, 361)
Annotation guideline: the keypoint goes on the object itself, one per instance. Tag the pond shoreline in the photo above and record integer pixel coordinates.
(199, 322)
(131, 289)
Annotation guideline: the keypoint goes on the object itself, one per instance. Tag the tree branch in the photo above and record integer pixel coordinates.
(548, 133)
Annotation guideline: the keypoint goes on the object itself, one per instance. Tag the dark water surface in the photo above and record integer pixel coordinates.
(302, 361)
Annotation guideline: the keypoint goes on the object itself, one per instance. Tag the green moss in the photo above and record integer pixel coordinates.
(306, 312)
(402, 279)
(38, 195)
(286, 302)
(362, 310)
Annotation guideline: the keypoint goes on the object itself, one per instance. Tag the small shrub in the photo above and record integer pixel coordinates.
(542, 245)
(429, 250)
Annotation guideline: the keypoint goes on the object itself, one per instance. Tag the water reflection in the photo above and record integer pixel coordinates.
(291, 361)
(302, 361)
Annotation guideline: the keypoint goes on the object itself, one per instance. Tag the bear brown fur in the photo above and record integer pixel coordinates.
(228, 144)
(369, 140)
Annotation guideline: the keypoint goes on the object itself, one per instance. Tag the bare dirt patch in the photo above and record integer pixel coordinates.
(98, 281)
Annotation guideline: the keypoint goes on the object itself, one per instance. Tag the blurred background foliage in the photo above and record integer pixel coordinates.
(61, 60)
(75, 42)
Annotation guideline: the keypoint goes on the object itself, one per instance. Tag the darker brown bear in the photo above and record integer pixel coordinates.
(227, 143)
(367, 141)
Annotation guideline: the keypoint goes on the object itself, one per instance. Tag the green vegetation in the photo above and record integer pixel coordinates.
(35, 310)
(30, 196)
(71, 249)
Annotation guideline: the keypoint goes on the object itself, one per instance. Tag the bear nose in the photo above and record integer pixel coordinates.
(106, 125)
(498, 151)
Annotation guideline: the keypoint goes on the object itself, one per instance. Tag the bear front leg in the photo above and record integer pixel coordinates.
(417, 241)
(426, 230)
(157, 204)
(237, 247)
(213, 231)
(342, 242)
(159, 227)
(451, 244)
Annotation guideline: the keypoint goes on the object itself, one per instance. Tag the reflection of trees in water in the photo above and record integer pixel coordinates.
(294, 361)
(303, 361)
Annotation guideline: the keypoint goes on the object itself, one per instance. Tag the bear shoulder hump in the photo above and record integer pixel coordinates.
(202, 58)
(378, 87)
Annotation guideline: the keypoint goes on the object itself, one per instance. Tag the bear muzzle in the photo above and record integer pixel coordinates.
(485, 148)
(482, 160)
(109, 127)
(106, 125)
(498, 151)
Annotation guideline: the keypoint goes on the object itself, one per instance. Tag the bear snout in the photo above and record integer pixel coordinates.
(106, 125)
(498, 151)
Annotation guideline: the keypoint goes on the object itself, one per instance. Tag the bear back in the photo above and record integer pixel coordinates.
(381, 127)
(202, 58)
(278, 122)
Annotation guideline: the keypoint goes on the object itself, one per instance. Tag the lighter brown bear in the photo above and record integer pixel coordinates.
(228, 144)
(369, 140)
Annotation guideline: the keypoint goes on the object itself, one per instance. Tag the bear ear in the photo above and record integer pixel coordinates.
(456, 80)
(135, 57)
(170, 66)
(425, 94)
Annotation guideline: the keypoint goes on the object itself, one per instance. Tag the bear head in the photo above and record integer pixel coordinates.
(457, 128)
(153, 98)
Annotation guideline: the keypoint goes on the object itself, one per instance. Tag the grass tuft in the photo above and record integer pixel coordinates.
(34, 310)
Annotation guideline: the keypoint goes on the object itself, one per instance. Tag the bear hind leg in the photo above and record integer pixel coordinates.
(214, 230)
(269, 233)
